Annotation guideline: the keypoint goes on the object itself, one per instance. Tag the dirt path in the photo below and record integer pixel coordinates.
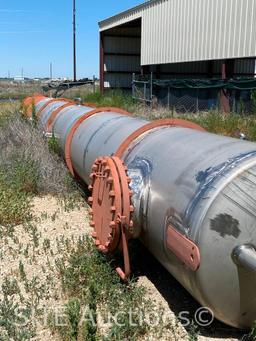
(29, 277)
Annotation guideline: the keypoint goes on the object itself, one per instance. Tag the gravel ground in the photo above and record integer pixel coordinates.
(29, 255)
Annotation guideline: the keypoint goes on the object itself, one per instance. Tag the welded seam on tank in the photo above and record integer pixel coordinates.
(208, 177)
(139, 171)
(53, 107)
(96, 132)
(135, 143)
(71, 121)
(39, 105)
(62, 112)
(250, 203)
(126, 125)
(240, 207)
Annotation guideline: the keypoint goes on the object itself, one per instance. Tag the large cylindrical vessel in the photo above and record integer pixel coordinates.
(194, 196)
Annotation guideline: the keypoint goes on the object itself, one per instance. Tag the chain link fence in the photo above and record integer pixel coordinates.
(147, 90)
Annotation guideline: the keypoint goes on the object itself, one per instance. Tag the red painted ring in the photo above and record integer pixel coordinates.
(50, 102)
(77, 124)
(54, 114)
(154, 124)
(29, 101)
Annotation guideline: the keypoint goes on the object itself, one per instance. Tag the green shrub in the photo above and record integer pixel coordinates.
(18, 181)
(34, 116)
(14, 203)
(115, 98)
(14, 207)
(11, 324)
(28, 166)
(229, 125)
(254, 101)
(70, 326)
(252, 334)
(23, 175)
(89, 276)
(7, 113)
(54, 145)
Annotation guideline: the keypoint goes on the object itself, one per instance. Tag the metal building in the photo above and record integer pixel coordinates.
(179, 38)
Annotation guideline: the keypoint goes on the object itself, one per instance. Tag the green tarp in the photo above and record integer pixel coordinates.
(233, 84)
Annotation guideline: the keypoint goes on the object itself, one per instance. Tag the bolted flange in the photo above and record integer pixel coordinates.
(110, 200)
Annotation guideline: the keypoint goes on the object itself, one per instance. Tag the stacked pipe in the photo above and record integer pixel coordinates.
(187, 194)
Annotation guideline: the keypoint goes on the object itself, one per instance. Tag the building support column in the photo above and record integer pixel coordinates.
(145, 70)
(101, 62)
(210, 69)
(158, 72)
(227, 72)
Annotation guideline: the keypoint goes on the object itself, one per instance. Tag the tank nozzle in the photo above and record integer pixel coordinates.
(245, 256)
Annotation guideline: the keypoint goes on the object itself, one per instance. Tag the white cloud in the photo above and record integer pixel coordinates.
(24, 32)
(3, 10)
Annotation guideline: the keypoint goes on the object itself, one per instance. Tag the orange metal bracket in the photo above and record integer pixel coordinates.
(183, 248)
(155, 124)
(124, 274)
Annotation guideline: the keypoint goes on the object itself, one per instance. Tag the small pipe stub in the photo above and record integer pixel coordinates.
(245, 256)
(111, 208)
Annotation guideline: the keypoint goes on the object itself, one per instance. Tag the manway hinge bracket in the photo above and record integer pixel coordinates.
(183, 248)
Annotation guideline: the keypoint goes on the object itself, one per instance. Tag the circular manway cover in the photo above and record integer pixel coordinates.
(110, 202)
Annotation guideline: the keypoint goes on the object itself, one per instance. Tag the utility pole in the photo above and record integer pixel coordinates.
(22, 73)
(50, 70)
(74, 38)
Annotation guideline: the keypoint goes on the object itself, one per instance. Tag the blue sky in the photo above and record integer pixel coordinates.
(35, 33)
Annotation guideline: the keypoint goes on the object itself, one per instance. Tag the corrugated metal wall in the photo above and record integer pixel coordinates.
(122, 44)
(121, 56)
(193, 30)
(179, 38)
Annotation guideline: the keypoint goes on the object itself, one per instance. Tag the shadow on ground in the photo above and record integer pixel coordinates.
(179, 300)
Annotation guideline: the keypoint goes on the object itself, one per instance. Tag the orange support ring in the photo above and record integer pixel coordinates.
(154, 124)
(77, 124)
(49, 102)
(29, 101)
(54, 114)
